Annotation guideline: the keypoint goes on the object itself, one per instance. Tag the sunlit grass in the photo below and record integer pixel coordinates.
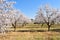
(51, 35)
(31, 36)
(36, 27)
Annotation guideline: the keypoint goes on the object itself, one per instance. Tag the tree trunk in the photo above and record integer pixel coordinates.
(14, 28)
(48, 27)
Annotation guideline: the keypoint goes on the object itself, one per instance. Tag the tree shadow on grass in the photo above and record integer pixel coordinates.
(56, 30)
(30, 31)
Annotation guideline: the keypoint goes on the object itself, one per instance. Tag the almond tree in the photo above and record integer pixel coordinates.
(47, 15)
(14, 16)
(23, 19)
(9, 15)
(5, 6)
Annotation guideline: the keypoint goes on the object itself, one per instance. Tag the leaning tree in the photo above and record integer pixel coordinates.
(47, 15)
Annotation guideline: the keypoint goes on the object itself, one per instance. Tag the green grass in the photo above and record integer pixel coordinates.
(39, 26)
(36, 27)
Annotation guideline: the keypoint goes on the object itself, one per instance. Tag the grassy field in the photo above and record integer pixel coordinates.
(54, 34)
(30, 36)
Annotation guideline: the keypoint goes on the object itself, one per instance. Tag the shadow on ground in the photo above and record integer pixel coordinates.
(30, 31)
(53, 30)
(56, 30)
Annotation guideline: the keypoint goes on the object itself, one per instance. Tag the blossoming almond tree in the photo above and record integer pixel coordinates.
(7, 14)
(47, 15)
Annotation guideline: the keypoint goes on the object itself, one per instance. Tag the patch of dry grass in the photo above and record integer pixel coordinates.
(52, 35)
(30, 36)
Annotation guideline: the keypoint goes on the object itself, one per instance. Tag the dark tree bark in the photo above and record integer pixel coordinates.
(48, 27)
(14, 26)
(48, 24)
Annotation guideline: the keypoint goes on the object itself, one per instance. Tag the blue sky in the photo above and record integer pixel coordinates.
(30, 7)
